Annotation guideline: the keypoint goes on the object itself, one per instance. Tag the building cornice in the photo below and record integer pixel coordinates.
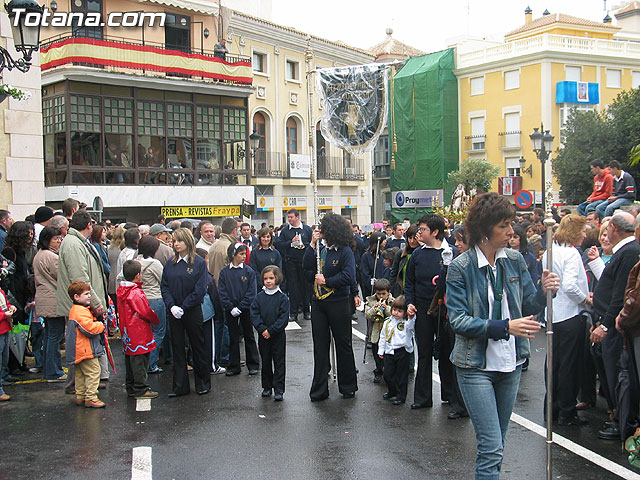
(291, 39)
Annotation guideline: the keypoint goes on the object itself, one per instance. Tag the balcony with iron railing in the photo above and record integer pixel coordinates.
(276, 165)
(510, 140)
(116, 54)
(475, 143)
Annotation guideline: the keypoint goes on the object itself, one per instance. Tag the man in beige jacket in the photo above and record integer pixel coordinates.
(218, 252)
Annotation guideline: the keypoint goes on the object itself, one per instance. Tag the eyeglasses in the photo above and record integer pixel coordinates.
(423, 229)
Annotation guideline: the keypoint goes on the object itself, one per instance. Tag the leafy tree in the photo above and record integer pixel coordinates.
(584, 140)
(614, 135)
(474, 172)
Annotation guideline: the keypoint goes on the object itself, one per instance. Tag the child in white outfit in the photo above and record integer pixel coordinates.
(395, 347)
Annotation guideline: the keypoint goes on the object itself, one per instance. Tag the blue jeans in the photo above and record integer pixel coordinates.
(585, 207)
(4, 358)
(53, 332)
(606, 209)
(489, 397)
(158, 306)
(37, 338)
(221, 335)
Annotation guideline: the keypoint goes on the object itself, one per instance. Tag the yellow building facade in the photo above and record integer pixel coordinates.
(508, 89)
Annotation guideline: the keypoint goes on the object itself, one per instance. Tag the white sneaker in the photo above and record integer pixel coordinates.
(220, 370)
(61, 378)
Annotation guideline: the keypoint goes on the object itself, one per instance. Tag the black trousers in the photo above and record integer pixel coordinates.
(207, 330)
(611, 351)
(379, 361)
(250, 348)
(189, 325)
(332, 318)
(587, 371)
(425, 332)
(568, 344)
(449, 389)
(299, 288)
(136, 374)
(396, 373)
(273, 354)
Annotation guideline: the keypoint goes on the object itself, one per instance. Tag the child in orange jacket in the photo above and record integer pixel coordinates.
(136, 318)
(84, 346)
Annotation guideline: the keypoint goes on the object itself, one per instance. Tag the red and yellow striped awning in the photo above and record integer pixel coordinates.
(143, 57)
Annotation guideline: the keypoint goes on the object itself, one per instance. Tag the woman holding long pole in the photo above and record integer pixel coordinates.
(491, 301)
(330, 312)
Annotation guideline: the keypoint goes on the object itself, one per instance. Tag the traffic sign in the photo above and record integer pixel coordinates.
(523, 199)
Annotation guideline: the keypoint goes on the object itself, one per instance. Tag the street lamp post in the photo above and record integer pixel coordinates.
(26, 38)
(542, 143)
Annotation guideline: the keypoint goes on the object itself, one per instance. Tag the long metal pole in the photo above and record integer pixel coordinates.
(549, 222)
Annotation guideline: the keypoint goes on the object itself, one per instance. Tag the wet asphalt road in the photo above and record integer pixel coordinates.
(233, 433)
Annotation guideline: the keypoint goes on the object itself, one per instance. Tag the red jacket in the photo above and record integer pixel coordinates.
(5, 322)
(602, 186)
(136, 317)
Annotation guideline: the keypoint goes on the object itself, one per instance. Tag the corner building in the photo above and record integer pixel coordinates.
(507, 89)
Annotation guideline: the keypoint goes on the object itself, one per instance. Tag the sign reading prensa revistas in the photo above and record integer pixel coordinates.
(197, 212)
(354, 105)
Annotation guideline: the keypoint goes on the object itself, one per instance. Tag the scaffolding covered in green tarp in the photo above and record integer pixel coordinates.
(424, 125)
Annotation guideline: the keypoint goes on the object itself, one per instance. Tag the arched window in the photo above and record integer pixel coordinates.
(292, 135)
(259, 127)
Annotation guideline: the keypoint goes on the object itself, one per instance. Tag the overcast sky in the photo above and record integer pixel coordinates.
(423, 24)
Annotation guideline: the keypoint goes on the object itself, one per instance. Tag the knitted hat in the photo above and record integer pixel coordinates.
(43, 214)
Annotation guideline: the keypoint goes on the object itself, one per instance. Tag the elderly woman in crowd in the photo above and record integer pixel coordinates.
(491, 301)
(569, 324)
(45, 271)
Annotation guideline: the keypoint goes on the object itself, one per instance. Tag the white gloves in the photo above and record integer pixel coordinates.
(373, 280)
(447, 256)
(235, 311)
(177, 312)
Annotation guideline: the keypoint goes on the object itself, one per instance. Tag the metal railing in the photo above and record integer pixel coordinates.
(269, 164)
(475, 142)
(510, 139)
(123, 43)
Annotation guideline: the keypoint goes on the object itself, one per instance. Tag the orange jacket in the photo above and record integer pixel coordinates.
(84, 332)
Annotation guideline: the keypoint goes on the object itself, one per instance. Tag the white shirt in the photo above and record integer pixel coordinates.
(231, 265)
(623, 242)
(183, 259)
(126, 254)
(400, 332)
(574, 288)
(500, 354)
(271, 292)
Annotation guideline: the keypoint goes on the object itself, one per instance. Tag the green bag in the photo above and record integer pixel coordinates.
(632, 445)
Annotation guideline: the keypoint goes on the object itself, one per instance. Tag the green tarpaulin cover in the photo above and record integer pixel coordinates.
(425, 122)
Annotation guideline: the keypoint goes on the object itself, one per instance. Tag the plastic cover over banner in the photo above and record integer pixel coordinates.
(354, 105)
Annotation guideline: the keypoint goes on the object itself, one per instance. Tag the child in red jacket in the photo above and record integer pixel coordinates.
(6, 312)
(136, 317)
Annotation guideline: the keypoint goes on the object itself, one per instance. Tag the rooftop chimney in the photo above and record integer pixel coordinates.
(545, 13)
(528, 16)
(607, 19)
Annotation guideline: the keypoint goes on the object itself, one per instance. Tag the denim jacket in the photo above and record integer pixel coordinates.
(468, 305)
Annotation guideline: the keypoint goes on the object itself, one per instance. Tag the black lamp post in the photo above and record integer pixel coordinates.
(25, 38)
(542, 143)
(254, 141)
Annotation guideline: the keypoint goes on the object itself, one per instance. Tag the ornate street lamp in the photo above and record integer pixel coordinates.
(254, 143)
(525, 170)
(542, 143)
(26, 38)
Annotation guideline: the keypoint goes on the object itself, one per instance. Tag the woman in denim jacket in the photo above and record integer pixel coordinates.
(491, 301)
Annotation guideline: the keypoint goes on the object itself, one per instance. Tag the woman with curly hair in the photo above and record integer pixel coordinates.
(330, 310)
(19, 242)
(491, 301)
